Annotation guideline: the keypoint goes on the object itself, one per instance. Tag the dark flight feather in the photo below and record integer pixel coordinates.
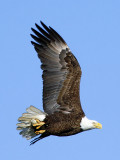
(61, 71)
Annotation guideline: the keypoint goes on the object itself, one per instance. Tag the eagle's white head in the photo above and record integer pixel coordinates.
(87, 124)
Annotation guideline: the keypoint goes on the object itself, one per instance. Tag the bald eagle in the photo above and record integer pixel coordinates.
(63, 114)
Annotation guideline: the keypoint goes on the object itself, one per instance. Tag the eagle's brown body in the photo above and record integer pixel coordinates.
(63, 125)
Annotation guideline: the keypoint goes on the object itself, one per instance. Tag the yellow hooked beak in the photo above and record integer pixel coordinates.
(98, 125)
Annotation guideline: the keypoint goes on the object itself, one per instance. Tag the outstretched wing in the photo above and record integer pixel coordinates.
(61, 71)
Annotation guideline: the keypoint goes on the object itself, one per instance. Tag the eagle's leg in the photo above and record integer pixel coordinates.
(37, 127)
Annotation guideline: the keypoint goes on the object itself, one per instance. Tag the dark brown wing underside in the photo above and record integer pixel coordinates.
(61, 72)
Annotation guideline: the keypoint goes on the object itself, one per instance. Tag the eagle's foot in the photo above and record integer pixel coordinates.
(37, 126)
(40, 132)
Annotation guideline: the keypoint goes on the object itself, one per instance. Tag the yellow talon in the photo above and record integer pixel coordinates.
(40, 132)
(38, 127)
(38, 123)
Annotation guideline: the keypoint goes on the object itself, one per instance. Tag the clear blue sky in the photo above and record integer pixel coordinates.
(92, 30)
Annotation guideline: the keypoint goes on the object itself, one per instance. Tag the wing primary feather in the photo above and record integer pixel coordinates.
(40, 35)
(44, 32)
(48, 30)
(37, 46)
(35, 38)
(36, 32)
(40, 38)
(33, 43)
(57, 35)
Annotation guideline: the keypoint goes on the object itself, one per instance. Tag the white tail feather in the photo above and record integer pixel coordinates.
(28, 119)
